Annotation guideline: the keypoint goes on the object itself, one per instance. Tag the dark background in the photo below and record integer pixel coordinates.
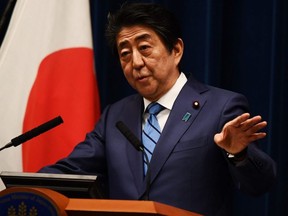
(240, 45)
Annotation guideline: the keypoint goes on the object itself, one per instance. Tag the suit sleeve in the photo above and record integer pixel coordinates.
(88, 157)
(257, 172)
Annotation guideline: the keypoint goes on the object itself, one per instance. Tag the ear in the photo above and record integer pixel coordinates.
(178, 50)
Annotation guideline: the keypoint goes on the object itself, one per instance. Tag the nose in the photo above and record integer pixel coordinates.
(137, 60)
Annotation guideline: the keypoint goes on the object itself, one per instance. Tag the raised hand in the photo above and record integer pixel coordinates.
(239, 132)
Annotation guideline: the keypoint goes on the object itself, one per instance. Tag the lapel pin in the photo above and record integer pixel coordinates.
(196, 105)
(186, 117)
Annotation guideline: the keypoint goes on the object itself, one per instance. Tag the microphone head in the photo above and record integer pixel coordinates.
(37, 131)
(130, 136)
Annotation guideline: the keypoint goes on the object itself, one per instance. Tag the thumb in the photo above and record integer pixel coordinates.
(217, 138)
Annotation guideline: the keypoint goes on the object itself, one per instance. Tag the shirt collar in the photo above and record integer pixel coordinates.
(168, 99)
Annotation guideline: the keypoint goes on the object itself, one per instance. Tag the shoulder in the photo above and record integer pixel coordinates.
(121, 106)
(216, 100)
(209, 90)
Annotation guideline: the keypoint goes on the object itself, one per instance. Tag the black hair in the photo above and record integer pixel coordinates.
(154, 16)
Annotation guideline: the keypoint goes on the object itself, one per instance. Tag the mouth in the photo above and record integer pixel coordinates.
(142, 78)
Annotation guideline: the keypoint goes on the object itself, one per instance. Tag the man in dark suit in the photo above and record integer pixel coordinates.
(207, 143)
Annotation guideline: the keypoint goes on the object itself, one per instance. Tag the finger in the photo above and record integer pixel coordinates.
(236, 122)
(218, 138)
(250, 123)
(257, 136)
(257, 127)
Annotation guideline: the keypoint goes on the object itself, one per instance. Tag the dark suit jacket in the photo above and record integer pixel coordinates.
(188, 170)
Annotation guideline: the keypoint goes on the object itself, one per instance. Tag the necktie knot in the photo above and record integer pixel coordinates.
(154, 108)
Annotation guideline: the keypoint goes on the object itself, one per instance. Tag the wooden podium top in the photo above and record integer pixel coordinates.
(76, 207)
(49, 202)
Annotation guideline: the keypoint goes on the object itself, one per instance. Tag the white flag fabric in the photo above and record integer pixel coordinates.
(46, 70)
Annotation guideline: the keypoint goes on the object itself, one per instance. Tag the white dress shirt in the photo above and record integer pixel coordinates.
(167, 101)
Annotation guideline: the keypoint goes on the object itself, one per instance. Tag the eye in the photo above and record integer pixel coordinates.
(144, 47)
(124, 53)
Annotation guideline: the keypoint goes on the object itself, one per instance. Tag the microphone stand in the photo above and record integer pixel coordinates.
(147, 178)
(139, 147)
(34, 132)
(6, 146)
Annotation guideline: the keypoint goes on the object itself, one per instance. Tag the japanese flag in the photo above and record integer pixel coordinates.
(46, 70)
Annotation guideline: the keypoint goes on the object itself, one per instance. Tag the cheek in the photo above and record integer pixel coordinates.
(128, 73)
(159, 66)
(126, 68)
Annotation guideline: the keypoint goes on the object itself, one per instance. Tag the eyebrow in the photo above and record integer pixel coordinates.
(138, 38)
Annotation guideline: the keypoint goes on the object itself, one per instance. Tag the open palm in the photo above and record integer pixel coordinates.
(239, 132)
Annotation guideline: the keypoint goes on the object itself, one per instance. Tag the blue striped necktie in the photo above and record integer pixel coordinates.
(151, 131)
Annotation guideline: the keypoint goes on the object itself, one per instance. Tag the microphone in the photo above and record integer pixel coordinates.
(130, 136)
(34, 132)
(139, 147)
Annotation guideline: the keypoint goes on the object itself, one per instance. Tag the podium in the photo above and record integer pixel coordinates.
(43, 194)
(42, 201)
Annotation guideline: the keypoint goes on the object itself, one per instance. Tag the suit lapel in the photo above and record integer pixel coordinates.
(183, 114)
(133, 120)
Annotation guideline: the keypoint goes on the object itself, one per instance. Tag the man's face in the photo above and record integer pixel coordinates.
(147, 64)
